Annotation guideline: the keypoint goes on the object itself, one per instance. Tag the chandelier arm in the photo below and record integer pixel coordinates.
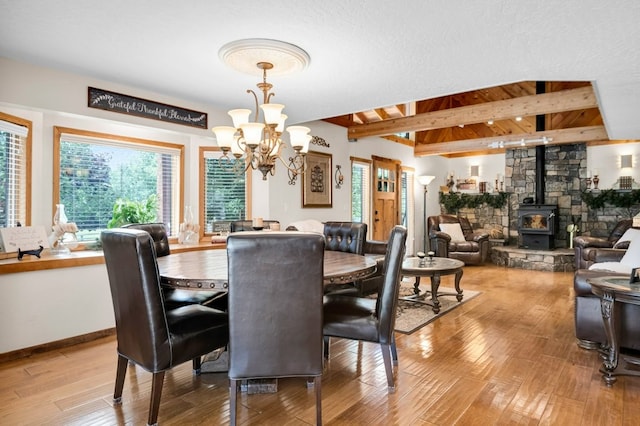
(297, 163)
(255, 98)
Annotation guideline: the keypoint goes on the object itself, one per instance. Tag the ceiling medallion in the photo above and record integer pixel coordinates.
(243, 55)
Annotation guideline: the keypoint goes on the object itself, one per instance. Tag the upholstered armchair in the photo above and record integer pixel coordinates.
(605, 261)
(586, 248)
(452, 236)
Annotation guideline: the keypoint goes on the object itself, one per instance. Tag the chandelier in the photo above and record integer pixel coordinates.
(258, 144)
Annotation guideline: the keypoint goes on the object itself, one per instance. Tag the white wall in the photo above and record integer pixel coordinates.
(45, 306)
(605, 161)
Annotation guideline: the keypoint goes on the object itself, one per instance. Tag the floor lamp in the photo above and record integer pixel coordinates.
(425, 181)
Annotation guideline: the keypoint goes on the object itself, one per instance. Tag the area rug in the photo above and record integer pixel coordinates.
(412, 316)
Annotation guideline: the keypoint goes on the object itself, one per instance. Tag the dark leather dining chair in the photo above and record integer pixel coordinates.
(275, 309)
(371, 320)
(148, 334)
(347, 237)
(175, 298)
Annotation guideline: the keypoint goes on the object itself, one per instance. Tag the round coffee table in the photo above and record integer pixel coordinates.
(433, 268)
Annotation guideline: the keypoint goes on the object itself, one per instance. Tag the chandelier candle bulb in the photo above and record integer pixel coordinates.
(272, 113)
(239, 117)
(280, 126)
(225, 136)
(252, 133)
(298, 136)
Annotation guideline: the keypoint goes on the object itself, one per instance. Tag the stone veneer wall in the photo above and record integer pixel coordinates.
(564, 166)
(566, 169)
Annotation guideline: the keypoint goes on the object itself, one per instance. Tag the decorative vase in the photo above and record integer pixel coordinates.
(59, 218)
(596, 180)
(188, 230)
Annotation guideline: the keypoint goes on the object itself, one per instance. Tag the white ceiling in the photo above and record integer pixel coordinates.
(364, 54)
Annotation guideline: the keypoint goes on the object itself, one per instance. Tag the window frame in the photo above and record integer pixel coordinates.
(28, 159)
(407, 183)
(125, 140)
(202, 152)
(368, 165)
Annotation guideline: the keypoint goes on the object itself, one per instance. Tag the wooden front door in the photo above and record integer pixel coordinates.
(386, 196)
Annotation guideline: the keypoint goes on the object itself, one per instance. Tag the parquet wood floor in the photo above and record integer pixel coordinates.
(506, 357)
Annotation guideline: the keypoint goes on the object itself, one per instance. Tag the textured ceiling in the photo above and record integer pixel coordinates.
(363, 54)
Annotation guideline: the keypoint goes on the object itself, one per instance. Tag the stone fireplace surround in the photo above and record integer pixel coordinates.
(565, 172)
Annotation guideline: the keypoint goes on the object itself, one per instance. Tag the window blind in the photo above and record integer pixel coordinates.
(13, 174)
(361, 192)
(224, 189)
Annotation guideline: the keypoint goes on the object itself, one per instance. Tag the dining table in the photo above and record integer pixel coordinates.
(207, 269)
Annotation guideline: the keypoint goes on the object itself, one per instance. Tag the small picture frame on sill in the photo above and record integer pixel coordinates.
(317, 181)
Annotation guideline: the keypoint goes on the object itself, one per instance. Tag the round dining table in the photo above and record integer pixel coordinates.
(207, 269)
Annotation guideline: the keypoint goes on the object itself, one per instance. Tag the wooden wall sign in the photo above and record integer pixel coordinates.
(124, 104)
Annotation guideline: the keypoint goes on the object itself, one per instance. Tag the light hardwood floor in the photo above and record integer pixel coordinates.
(506, 357)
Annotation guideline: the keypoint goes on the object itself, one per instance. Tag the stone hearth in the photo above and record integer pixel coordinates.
(558, 260)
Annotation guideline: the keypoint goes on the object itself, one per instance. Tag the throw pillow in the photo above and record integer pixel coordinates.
(617, 267)
(628, 236)
(454, 230)
(632, 256)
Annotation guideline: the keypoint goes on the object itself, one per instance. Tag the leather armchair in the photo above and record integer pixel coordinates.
(473, 251)
(586, 247)
(589, 327)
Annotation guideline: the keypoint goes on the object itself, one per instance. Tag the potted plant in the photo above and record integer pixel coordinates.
(131, 211)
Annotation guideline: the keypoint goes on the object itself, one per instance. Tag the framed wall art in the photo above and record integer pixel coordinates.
(316, 180)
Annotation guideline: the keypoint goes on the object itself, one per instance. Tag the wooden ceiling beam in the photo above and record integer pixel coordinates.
(546, 103)
(561, 136)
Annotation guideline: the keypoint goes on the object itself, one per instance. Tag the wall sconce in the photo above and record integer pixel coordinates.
(338, 177)
(626, 161)
(475, 170)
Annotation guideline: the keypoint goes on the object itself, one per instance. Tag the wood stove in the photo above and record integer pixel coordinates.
(537, 225)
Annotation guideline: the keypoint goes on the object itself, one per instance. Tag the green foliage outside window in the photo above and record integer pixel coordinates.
(128, 211)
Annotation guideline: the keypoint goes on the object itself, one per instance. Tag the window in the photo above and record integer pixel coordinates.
(93, 171)
(224, 193)
(15, 171)
(360, 190)
(407, 207)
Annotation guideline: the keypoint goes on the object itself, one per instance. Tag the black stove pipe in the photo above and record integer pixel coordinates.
(540, 151)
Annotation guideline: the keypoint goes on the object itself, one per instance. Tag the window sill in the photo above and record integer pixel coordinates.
(78, 258)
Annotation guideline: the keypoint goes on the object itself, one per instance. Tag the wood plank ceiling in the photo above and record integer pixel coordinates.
(473, 123)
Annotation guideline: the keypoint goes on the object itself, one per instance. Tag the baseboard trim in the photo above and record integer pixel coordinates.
(58, 344)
